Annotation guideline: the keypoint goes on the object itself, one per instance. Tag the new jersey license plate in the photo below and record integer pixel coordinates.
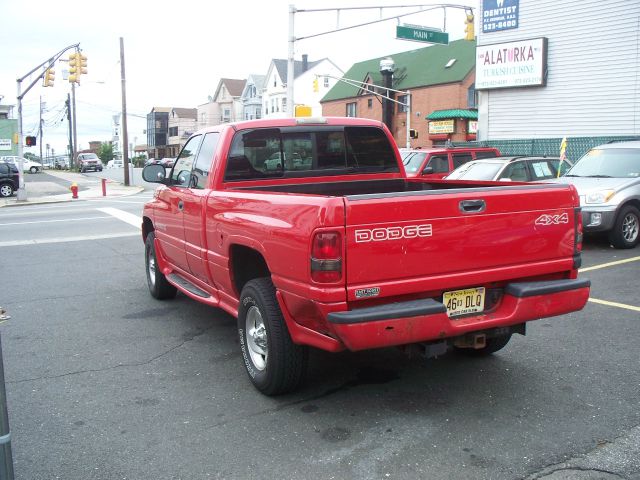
(464, 302)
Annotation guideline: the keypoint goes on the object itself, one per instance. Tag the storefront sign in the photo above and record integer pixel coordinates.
(5, 144)
(441, 126)
(511, 64)
(499, 15)
(472, 127)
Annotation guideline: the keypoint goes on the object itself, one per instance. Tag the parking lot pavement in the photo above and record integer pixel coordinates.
(54, 186)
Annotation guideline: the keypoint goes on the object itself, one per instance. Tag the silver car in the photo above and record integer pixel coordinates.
(607, 178)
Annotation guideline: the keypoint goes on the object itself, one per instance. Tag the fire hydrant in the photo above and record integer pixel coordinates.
(74, 190)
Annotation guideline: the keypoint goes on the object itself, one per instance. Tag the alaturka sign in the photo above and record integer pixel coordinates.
(511, 64)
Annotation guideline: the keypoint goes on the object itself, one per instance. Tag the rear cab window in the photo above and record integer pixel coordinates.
(460, 158)
(317, 151)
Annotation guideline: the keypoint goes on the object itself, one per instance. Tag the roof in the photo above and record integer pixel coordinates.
(453, 113)
(423, 67)
(234, 86)
(281, 66)
(186, 112)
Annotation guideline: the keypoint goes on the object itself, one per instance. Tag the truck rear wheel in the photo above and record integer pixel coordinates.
(625, 228)
(273, 362)
(159, 287)
(493, 344)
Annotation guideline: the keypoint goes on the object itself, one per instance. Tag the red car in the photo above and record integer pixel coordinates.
(438, 162)
(341, 251)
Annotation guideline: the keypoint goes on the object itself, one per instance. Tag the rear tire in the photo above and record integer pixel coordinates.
(492, 345)
(159, 287)
(275, 364)
(6, 190)
(625, 228)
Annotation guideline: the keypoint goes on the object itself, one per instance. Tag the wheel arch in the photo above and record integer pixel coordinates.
(147, 227)
(246, 263)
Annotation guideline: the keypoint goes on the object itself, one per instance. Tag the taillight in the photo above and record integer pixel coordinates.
(326, 257)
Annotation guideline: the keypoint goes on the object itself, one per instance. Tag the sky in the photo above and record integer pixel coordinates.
(175, 54)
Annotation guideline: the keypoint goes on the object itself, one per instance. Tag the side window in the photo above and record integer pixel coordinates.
(4, 168)
(202, 167)
(516, 171)
(542, 169)
(181, 172)
(439, 163)
(460, 158)
(485, 154)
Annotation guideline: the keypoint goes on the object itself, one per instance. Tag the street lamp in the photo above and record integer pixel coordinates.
(387, 67)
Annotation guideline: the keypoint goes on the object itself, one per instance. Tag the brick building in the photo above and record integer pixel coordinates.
(441, 81)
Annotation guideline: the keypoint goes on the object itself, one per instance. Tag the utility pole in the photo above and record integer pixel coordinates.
(74, 145)
(125, 137)
(40, 130)
(291, 39)
(68, 102)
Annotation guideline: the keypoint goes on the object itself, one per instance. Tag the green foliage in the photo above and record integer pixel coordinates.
(32, 157)
(105, 153)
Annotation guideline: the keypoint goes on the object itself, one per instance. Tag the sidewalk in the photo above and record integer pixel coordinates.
(39, 192)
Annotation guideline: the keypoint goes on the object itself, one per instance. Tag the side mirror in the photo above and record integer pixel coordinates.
(154, 173)
(427, 170)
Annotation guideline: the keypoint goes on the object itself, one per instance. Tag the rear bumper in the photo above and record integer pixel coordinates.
(426, 320)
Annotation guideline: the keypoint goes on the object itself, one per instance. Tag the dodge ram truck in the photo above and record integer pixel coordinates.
(335, 248)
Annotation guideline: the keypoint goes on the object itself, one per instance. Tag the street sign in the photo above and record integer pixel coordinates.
(421, 34)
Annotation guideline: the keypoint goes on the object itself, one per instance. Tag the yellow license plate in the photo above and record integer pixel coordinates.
(463, 302)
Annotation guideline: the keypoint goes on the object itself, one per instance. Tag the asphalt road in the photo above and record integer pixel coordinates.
(104, 382)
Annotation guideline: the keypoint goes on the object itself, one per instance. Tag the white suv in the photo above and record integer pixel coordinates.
(27, 166)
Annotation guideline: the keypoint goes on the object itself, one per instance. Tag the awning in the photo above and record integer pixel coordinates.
(453, 113)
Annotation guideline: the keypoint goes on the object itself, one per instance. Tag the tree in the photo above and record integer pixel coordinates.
(105, 152)
(31, 156)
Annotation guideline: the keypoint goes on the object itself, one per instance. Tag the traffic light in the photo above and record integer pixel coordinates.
(30, 141)
(413, 133)
(316, 87)
(77, 64)
(49, 77)
(469, 29)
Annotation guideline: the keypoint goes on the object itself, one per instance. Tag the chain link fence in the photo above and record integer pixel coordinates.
(550, 147)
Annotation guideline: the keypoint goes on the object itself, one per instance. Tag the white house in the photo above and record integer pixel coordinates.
(274, 95)
(251, 97)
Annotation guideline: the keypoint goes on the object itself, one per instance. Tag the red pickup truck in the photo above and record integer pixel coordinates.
(333, 247)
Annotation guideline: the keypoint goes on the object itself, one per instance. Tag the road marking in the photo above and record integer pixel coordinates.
(54, 221)
(42, 241)
(127, 217)
(610, 264)
(615, 304)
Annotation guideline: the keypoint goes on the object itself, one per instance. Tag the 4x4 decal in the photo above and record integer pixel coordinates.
(547, 219)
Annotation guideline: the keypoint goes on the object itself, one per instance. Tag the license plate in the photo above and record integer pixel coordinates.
(463, 302)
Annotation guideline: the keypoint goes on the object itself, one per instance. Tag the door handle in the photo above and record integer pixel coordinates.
(472, 206)
(180, 205)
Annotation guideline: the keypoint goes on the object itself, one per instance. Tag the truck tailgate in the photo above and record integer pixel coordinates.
(456, 238)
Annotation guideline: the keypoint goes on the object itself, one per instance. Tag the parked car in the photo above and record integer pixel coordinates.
(89, 161)
(516, 169)
(607, 178)
(9, 178)
(116, 163)
(437, 162)
(27, 166)
(165, 162)
(61, 164)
